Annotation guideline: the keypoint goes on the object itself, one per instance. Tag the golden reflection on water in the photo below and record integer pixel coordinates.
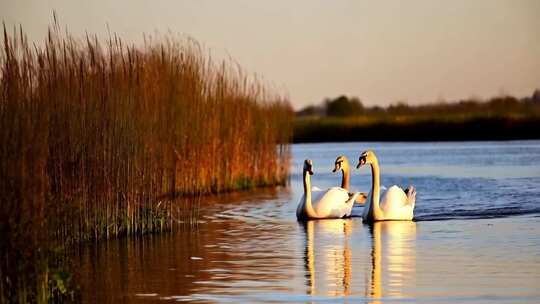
(393, 253)
(336, 258)
(329, 265)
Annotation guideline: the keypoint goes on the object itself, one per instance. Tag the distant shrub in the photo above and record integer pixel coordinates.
(343, 106)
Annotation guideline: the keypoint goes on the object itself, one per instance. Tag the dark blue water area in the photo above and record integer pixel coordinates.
(455, 198)
(454, 180)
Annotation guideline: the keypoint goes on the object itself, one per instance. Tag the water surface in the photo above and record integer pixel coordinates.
(475, 238)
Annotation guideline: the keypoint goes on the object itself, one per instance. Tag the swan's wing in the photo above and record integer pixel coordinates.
(393, 199)
(396, 204)
(315, 188)
(332, 203)
(341, 210)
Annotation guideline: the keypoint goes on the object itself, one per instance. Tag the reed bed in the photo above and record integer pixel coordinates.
(97, 136)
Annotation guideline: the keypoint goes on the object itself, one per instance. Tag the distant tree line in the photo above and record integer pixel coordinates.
(343, 106)
(347, 119)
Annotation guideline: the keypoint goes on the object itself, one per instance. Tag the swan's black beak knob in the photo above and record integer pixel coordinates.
(361, 162)
(308, 166)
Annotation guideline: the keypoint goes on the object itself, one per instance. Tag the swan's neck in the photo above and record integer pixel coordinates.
(307, 193)
(345, 179)
(375, 210)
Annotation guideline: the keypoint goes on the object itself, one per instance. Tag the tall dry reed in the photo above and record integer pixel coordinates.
(94, 135)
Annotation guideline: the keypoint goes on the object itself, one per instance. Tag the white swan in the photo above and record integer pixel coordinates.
(332, 203)
(342, 164)
(396, 203)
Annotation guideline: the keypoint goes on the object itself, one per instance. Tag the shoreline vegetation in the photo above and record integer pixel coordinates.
(346, 119)
(95, 133)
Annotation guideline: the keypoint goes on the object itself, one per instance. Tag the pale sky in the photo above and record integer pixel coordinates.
(380, 51)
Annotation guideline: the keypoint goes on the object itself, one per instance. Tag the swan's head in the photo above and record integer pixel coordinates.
(308, 166)
(366, 158)
(342, 163)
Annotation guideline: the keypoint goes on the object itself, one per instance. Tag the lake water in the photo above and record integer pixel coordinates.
(475, 238)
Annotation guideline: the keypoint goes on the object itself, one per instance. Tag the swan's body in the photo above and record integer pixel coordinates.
(332, 203)
(396, 204)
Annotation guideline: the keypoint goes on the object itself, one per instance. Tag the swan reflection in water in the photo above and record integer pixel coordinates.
(339, 260)
(333, 258)
(392, 254)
